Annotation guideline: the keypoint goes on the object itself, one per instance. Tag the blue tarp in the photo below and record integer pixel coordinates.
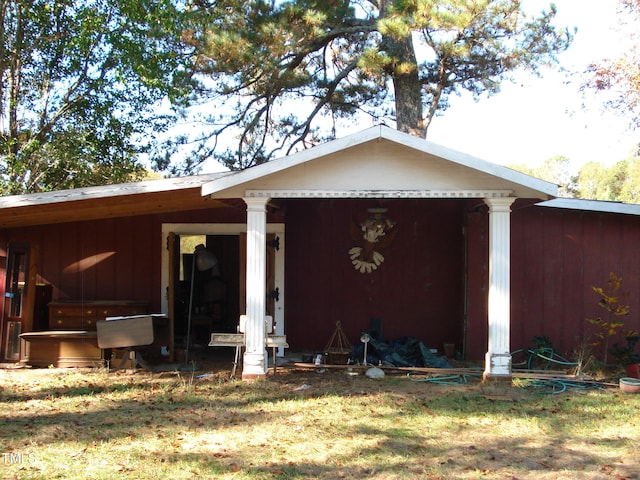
(401, 352)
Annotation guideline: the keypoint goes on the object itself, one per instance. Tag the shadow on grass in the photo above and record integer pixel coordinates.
(147, 408)
(398, 455)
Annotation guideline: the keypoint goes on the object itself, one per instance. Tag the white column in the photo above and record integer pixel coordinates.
(498, 357)
(255, 358)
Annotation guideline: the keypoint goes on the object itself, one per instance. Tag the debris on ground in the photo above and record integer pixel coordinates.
(400, 352)
(374, 372)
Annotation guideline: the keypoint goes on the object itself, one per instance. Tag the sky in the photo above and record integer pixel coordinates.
(535, 119)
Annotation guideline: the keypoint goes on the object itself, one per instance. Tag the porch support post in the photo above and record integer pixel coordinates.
(255, 358)
(498, 356)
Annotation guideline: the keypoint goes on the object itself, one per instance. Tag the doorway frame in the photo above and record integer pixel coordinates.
(226, 229)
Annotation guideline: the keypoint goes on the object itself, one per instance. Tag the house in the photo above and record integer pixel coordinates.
(376, 227)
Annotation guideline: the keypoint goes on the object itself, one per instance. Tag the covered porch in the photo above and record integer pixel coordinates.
(379, 165)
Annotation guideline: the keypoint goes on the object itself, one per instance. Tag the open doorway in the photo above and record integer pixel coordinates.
(207, 290)
(228, 243)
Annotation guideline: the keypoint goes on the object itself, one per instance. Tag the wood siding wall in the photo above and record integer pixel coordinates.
(557, 256)
(420, 290)
(114, 259)
(417, 291)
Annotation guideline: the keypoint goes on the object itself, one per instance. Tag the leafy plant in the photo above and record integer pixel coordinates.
(611, 301)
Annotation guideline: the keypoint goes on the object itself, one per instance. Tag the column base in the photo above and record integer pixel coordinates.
(254, 365)
(497, 379)
(253, 377)
(497, 365)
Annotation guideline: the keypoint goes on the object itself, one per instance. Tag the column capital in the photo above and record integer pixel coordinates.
(256, 204)
(500, 204)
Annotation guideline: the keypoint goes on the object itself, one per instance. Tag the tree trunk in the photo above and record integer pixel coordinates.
(406, 82)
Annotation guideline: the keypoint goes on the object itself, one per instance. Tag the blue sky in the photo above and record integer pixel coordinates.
(535, 119)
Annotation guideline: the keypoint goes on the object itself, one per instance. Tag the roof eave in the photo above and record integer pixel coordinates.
(107, 191)
(592, 205)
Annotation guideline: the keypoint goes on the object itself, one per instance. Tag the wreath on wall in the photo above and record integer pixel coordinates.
(373, 235)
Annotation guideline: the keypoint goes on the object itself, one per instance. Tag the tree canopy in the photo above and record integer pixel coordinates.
(89, 86)
(619, 78)
(283, 75)
(618, 81)
(555, 170)
(594, 180)
(80, 81)
(618, 182)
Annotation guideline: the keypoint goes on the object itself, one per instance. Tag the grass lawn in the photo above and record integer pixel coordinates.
(91, 424)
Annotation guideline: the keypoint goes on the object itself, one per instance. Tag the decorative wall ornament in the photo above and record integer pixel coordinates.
(373, 235)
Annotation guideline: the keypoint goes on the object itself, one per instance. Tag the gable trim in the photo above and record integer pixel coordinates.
(223, 185)
(378, 193)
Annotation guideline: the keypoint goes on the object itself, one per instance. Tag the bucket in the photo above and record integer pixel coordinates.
(630, 385)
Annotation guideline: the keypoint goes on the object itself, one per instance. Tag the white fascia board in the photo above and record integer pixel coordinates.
(107, 191)
(378, 193)
(373, 133)
(592, 205)
(470, 161)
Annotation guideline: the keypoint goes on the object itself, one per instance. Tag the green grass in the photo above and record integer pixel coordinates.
(92, 424)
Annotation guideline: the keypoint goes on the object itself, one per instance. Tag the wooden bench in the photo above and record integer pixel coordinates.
(62, 348)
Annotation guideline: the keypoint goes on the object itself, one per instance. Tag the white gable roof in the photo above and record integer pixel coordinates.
(379, 162)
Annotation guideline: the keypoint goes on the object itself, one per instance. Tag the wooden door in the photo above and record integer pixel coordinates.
(18, 305)
(272, 293)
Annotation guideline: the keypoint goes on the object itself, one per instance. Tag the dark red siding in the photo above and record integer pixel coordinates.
(113, 259)
(476, 331)
(558, 256)
(433, 277)
(417, 291)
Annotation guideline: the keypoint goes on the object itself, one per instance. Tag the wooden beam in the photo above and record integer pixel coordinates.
(103, 208)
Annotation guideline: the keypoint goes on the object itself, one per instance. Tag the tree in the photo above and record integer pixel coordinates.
(619, 182)
(593, 182)
(284, 74)
(630, 190)
(80, 81)
(555, 170)
(619, 78)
